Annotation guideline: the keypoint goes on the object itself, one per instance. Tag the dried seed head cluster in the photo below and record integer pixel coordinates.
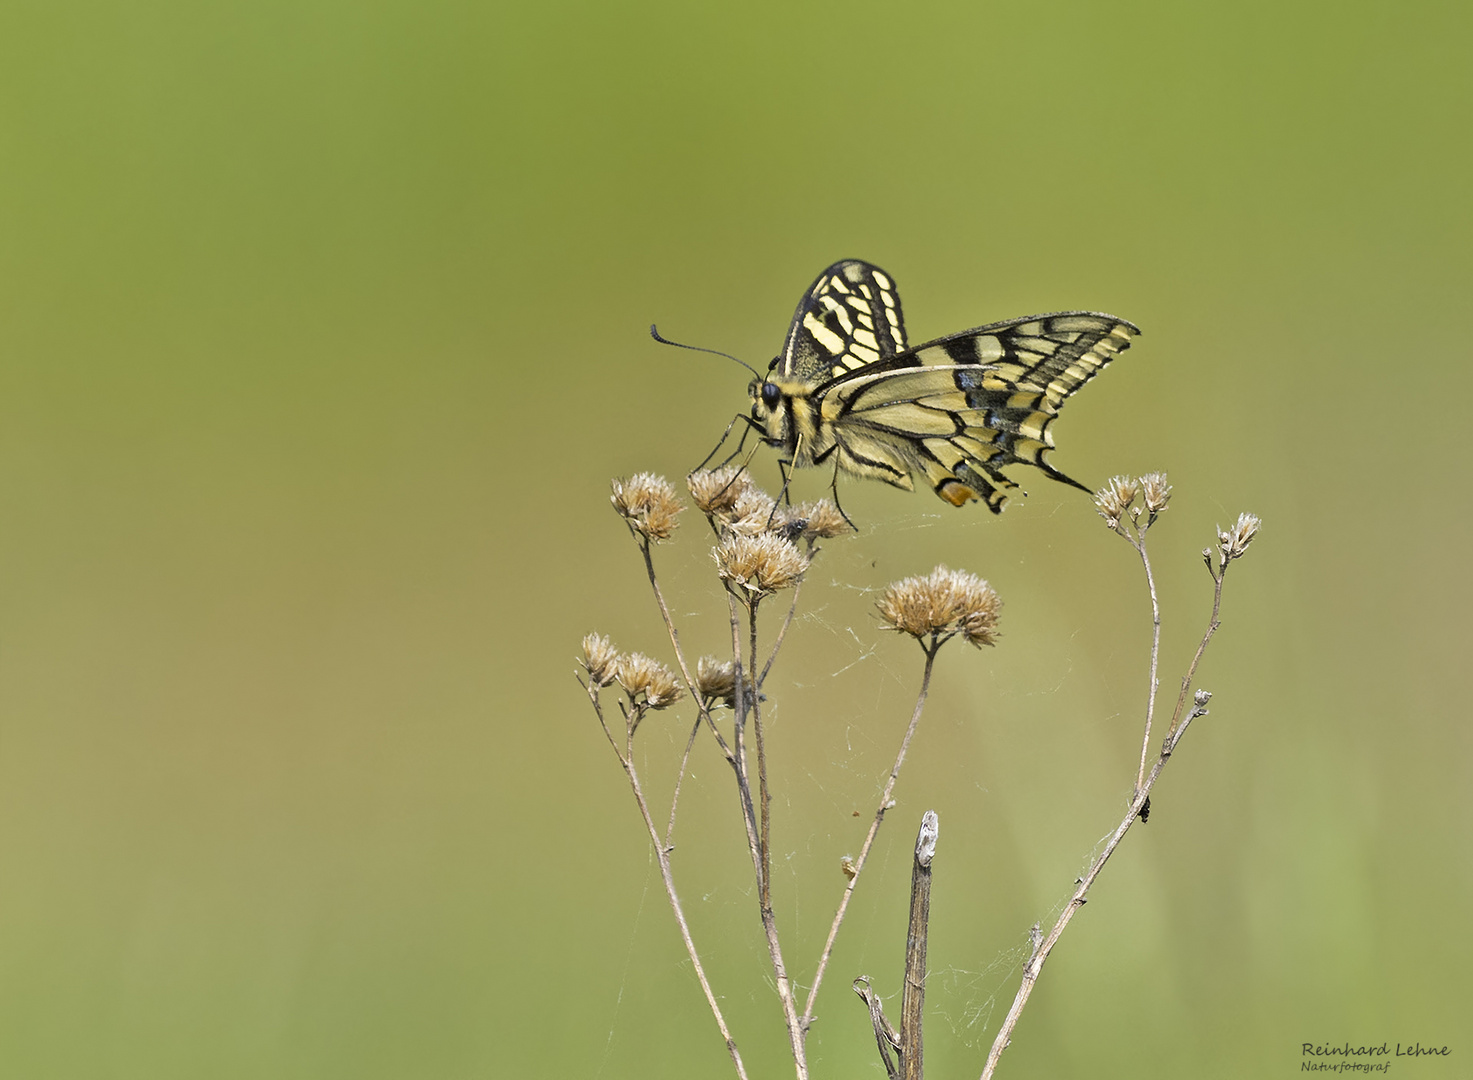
(757, 566)
(648, 504)
(1233, 543)
(821, 519)
(638, 674)
(945, 602)
(716, 682)
(1156, 492)
(754, 513)
(600, 659)
(716, 491)
(1114, 499)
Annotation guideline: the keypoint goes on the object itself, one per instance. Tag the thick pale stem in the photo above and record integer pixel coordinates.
(913, 997)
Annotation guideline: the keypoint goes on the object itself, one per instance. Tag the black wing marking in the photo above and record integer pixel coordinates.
(848, 319)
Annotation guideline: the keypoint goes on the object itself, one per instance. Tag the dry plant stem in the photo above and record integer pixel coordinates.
(764, 796)
(913, 997)
(679, 780)
(754, 842)
(782, 633)
(1034, 966)
(690, 685)
(828, 945)
(1139, 543)
(662, 856)
(1212, 625)
(1032, 969)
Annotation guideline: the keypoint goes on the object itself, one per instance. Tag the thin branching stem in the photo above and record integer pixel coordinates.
(690, 684)
(1212, 625)
(874, 828)
(695, 730)
(662, 857)
(764, 794)
(1139, 543)
(755, 841)
(1034, 966)
(782, 633)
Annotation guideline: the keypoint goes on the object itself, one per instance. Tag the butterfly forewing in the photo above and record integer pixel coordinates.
(849, 318)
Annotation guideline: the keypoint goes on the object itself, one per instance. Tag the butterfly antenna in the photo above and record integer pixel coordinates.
(655, 333)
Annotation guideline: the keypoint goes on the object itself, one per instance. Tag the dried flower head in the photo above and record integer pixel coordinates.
(648, 504)
(716, 491)
(759, 565)
(600, 659)
(1234, 542)
(754, 512)
(638, 674)
(821, 519)
(849, 867)
(945, 602)
(1114, 499)
(716, 682)
(1156, 491)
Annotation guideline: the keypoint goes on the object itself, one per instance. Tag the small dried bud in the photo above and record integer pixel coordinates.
(1115, 498)
(600, 659)
(821, 519)
(1235, 541)
(648, 503)
(716, 491)
(1202, 697)
(1157, 492)
(847, 865)
(715, 679)
(638, 674)
(944, 602)
(754, 512)
(759, 565)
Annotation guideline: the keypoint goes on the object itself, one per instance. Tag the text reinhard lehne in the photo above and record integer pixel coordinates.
(1383, 1050)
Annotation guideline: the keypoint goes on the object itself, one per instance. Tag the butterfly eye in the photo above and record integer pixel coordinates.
(771, 395)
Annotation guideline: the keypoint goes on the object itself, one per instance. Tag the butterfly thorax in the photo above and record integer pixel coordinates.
(784, 409)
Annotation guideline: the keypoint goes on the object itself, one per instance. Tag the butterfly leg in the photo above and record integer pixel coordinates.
(782, 496)
(726, 435)
(834, 488)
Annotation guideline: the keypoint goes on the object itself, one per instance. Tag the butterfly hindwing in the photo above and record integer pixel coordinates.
(849, 318)
(984, 399)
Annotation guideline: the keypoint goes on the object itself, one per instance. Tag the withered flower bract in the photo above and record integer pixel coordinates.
(600, 659)
(757, 566)
(648, 504)
(638, 674)
(943, 603)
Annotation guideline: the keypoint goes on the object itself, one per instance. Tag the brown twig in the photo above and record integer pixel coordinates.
(913, 997)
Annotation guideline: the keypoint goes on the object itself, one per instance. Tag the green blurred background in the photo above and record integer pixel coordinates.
(322, 329)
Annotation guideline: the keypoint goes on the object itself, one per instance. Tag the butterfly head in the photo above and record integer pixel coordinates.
(783, 409)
